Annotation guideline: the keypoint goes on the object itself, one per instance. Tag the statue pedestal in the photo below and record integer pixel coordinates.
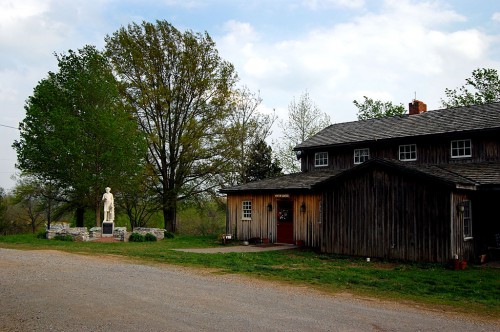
(107, 228)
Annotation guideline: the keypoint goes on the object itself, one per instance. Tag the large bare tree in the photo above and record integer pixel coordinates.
(178, 87)
(305, 119)
(247, 126)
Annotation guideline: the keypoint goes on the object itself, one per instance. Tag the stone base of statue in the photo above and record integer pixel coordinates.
(107, 228)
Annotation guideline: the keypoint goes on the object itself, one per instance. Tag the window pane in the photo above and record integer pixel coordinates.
(408, 152)
(461, 148)
(361, 155)
(467, 219)
(321, 159)
(247, 210)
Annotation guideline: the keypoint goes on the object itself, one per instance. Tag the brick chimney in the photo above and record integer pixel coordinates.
(417, 107)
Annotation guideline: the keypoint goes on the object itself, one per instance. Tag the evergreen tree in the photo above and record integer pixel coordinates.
(260, 163)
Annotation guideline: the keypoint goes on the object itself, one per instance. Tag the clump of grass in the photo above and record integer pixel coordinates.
(136, 237)
(63, 238)
(150, 238)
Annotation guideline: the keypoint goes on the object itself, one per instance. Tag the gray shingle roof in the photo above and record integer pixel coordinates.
(295, 181)
(460, 119)
(487, 173)
(464, 174)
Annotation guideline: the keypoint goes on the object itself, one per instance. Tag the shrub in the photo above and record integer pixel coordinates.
(42, 235)
(63, 238)
(169, 235)
(136, 237)
(150, 237)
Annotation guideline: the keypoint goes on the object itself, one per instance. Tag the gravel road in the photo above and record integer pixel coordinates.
(55, 291)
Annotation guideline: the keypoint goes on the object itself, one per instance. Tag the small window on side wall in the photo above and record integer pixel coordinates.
(247, 210)
(321, 159)
(361, 155)
(467, 217)
(461, 148)
(408, 152)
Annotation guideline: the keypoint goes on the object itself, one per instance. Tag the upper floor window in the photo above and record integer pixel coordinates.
(361, 155)
(247, 210)
(461, 148)
(408, 152)
(321, 159)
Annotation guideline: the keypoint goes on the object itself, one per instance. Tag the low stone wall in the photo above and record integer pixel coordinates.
(119, 233)
(158, 232)
(77, 233)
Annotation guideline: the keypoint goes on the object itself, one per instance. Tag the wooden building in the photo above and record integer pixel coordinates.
(421, 187)
(282, 210)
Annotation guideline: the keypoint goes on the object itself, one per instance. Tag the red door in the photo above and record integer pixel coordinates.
(284, 222)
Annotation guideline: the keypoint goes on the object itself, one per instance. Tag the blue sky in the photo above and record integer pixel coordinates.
(337, 50)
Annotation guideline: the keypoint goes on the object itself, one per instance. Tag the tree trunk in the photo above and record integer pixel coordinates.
(97, 207)
(80, 212)
(170, 213)
(49, 213)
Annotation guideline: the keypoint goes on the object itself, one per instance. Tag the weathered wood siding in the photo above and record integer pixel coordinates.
(429, 151)
(263, 223)
(380, 214)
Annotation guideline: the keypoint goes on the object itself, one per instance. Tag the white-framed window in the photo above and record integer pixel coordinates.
(361, 155)
(408, 152)
(461, 148)
(467, 215)
(247, 210)
(321, 159)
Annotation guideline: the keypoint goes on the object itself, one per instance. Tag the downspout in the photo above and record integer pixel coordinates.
(227, 218)
(452, 219)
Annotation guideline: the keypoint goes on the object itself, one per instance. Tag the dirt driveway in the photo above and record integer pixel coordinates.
(54, 291)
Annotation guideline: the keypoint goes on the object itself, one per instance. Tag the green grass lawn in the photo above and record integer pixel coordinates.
(475, 290)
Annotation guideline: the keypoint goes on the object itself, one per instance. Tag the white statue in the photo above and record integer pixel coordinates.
(109, 205)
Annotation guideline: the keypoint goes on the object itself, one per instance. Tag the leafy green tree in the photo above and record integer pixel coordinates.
(247, 125)
(260, 164)
(76, 135)
(370, 109)
(305, 119)
(178, 88)
(484, 88)
(4, 225)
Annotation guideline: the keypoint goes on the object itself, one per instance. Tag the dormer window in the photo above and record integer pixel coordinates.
(461, 148)
(321, 159)
(361, 155)
(408, 152)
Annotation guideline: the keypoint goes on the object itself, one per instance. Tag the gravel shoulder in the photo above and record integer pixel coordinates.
(56, 291)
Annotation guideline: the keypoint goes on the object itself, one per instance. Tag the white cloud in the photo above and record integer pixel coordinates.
(19, 10)
(496, 17)
(319, 4)
(391, 54)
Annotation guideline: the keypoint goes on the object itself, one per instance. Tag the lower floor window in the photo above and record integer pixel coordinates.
(467, 219)
(247, 209)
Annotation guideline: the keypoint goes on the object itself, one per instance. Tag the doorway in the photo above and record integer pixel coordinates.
(284, 222)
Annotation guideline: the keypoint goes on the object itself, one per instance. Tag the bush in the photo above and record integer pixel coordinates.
(136, 237)
(63, 238)
(42, 235)
(169, 235)
(150, 237)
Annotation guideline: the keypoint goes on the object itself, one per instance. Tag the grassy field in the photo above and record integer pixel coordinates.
(475, 290)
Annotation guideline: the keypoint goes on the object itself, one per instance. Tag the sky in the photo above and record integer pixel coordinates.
(335, 50)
